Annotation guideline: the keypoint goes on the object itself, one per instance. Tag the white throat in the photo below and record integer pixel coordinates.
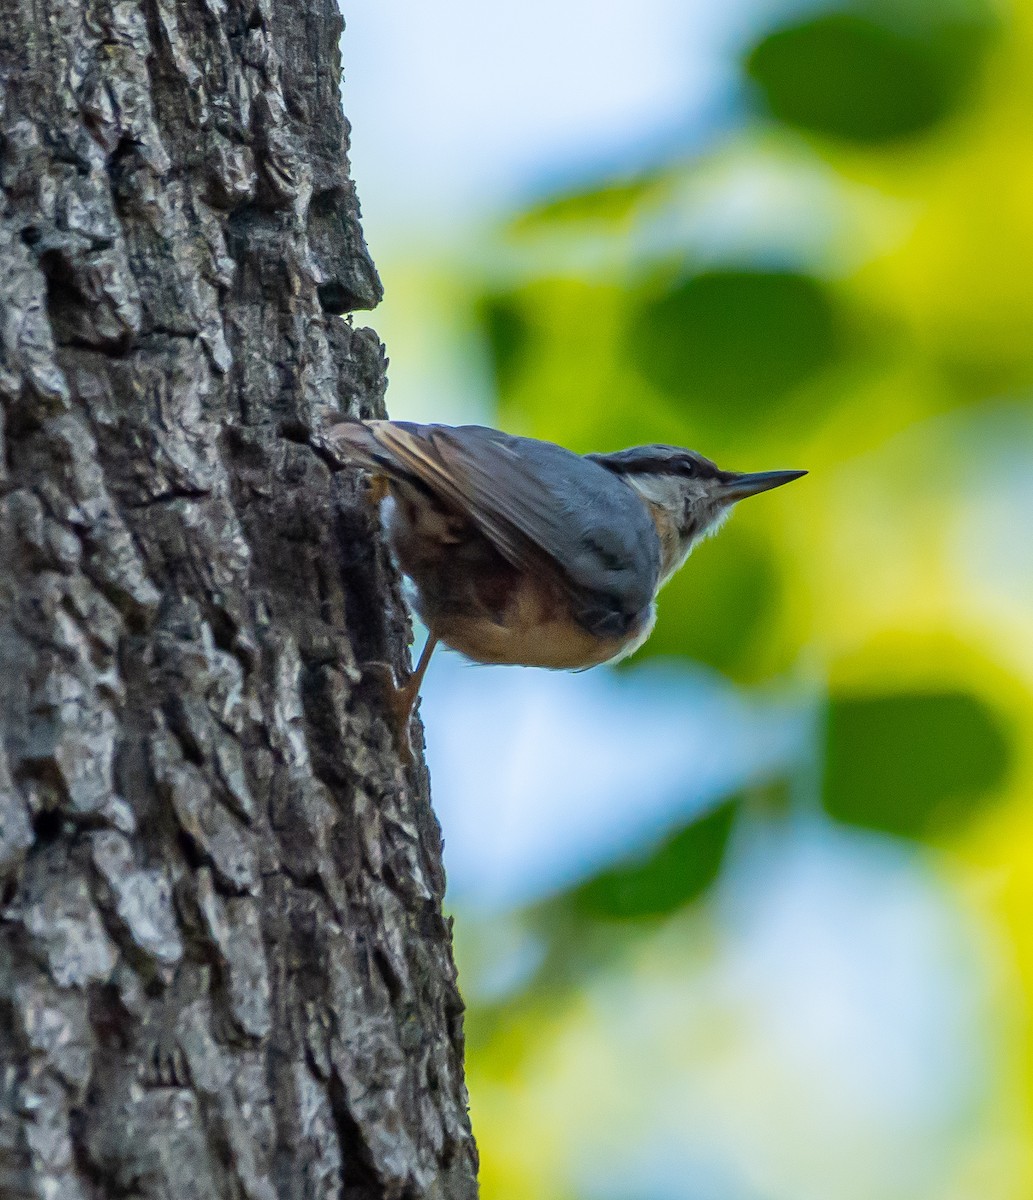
(666, 498)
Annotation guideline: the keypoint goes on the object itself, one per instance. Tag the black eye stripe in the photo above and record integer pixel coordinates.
(656, 460)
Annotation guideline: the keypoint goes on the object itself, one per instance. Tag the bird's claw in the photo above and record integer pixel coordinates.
(398, 704)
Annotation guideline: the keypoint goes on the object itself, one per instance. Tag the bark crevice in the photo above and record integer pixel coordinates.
(223, 966)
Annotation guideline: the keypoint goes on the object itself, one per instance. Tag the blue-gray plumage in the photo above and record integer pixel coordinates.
(543, 505)
(523, 552)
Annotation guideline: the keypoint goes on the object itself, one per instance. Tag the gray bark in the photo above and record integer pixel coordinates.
(224, 969)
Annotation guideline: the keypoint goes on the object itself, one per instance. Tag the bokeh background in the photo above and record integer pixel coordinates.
(751, 916)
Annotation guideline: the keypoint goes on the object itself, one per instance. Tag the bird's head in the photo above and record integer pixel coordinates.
(688, 496)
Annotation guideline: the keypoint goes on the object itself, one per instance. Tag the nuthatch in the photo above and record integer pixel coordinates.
(523, 552)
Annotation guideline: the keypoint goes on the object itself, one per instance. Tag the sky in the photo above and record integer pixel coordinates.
(462, 110)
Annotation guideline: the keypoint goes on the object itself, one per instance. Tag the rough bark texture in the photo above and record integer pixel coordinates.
(224, 971)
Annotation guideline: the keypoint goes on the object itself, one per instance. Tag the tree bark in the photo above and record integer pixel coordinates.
(224, 969)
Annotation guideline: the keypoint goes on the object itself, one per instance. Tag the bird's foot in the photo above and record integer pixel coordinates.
(400, 705)
(398, 702)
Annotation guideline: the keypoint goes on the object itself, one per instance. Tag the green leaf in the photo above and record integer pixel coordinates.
(509, 337)
(673, 873)
(732, 343)
(913, 764)
(851, 77)
(606, 204)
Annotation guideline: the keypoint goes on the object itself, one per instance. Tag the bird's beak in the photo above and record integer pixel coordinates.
(737, 486)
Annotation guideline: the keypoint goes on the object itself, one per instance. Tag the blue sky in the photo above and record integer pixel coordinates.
(461, 110)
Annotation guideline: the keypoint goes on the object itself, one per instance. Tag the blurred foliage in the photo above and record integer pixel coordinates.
(510, 338)
(732, 344)
(730, 620)
(670, 876)
(842, 282)
(853, 76)
(590, 929)
(912, 764)
(611, 203)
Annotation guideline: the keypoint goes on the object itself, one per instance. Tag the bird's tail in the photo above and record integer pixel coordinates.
(372, 445)
(354, 441)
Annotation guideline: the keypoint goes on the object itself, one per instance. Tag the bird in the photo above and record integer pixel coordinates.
(520, 551)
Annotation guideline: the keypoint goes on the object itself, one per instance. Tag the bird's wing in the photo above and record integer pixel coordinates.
(484, 480)
(544, 508)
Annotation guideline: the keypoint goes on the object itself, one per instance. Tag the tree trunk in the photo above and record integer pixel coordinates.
(224, 970)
